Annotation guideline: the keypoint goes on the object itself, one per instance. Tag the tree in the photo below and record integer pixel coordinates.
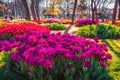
(102, 8)
(119, 11)
(32, 7)
(92, 8)
(53, 10)
(74, 9)
(17, 8)
(98, 3)
(4, 8)
(115, 12)
(26, 10)
(73, 17)
(82, 8)
(37, 8)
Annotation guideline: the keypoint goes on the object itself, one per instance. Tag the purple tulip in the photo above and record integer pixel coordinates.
(87, 64)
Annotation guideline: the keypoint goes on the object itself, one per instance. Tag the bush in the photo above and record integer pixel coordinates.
(55, 26)
(44, 56)
(101, 31)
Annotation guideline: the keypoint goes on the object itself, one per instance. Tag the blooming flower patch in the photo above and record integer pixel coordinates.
(16, 29)
(38, 21)
(53, 54)
(52, 20)
(66, 21)
(80, 22)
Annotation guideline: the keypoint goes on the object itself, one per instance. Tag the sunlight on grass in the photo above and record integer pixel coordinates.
(1, 62)
(114, 49)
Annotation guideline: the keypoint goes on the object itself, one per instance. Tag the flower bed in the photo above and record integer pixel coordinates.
(103, 31)
(52, 20)
(85, 22)
(55, 26)
(66, 21)
(16, 29)
(117, 23)
(38, 21)
(2, 23)
(57, 57)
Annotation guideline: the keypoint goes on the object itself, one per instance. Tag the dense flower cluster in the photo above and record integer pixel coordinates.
(52, 20)
(38, 21)
(4, 22)
(82, 22)
(16, 29)
(107, 21)
(36, 48)
(117, 23)
(7, 22)
(66, 21)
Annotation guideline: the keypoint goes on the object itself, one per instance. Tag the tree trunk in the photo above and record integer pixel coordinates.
(37, 8)
(73, 16)
(67, 13)
(115, 12)
(26, 10)
(32, 7)
(119, 11)
(92, 8)
(95, 12)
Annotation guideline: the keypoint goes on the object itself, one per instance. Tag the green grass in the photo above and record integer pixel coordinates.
(114, 49)
(1, 62)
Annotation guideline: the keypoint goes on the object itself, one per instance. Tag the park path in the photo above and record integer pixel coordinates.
(72, 30)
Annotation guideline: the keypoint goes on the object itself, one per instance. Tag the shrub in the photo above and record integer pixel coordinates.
(44, 56)
(102, 31)
(55, 26)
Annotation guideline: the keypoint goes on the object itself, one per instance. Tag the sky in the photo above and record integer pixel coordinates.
(111, 6)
